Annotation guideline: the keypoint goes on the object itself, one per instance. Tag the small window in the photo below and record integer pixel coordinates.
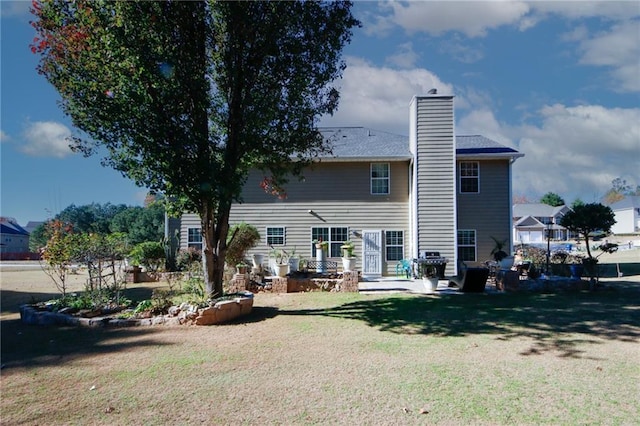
(395, 245)
(194, 238)
(380, 178)
(275, 236)
(467, 245)
(469, 177)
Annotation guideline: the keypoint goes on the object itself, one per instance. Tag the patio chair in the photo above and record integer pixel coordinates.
(471, 280)
(403, 267)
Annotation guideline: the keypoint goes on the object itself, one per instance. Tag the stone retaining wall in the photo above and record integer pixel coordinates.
(348, 283)
(221, 312)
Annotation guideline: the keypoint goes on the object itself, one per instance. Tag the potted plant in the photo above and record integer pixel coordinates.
(294, 261)
(281, 262)
(257, 260)
(242, 268)
(430, 277)
(348, 257)
(322, 247)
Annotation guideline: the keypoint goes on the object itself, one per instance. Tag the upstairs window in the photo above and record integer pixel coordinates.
(469, 177)
(380, 178)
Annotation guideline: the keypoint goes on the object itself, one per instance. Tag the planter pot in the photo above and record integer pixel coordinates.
(293, 264)
(257, 260)
(430, 284)
(348, 263)
(321, 257)
(242, 269)
(576, 271)
(282, 269)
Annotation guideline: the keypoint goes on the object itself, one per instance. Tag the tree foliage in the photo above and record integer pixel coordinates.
(140, 223)
(242, 237)
(619, 190)
(587, 218)
(187, 97)
(552, 199)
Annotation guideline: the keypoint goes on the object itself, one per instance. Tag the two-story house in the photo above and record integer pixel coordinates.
(394, 196)
(532, 221)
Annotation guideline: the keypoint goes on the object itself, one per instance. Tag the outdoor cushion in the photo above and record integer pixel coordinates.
(472, 280)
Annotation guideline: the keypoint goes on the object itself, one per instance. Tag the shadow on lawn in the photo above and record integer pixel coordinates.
(551, 320)
(33, 346)
(37, 346)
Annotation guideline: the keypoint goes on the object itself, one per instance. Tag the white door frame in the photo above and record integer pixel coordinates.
(372, 253)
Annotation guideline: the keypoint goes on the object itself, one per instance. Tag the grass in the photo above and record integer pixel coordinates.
(331, 358)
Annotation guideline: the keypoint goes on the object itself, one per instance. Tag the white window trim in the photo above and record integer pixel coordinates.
(393, 245)
(371, 179)
(284, 234)
(475, 245)
(330, 241)
(477, 163)
(194, 243)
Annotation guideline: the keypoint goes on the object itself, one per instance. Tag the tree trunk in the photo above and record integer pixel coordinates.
(214, 240)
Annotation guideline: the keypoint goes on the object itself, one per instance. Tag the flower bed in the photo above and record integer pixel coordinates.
(185, 314)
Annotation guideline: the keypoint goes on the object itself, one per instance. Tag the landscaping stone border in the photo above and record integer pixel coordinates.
(221, 312)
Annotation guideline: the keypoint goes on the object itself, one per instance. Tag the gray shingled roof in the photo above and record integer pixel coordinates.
(629, 202)
(362, 142)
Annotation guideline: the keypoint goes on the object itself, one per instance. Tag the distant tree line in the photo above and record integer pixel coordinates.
(618, 191)
(139, 224)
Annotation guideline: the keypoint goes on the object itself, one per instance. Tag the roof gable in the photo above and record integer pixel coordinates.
(538, 210)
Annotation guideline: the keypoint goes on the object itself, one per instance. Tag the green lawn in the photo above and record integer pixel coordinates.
(331, 358)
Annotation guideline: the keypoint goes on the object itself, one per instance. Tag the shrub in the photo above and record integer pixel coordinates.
(149, 254)
(242, 238)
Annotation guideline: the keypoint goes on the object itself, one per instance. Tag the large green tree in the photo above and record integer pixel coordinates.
(587, 218)
(187, 97)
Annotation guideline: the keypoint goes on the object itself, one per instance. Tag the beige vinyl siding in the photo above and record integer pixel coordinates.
(338, 194)
(488, 212)
(334, 181)
(435, 175)
(189, 220)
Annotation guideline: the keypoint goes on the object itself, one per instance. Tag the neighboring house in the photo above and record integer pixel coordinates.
(394, 196)
(627, 215)
(532, 220)
(13, 238)
(32, 225)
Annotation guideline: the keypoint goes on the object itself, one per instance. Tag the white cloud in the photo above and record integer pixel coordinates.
(577, 151)
(472, 18)
(46, 139)
(379, 97)
(618, 48)
(4, 137)
(405, 57)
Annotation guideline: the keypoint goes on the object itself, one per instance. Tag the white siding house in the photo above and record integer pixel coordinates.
(627, 215)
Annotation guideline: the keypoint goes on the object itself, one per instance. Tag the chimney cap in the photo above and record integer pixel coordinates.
(433, 91)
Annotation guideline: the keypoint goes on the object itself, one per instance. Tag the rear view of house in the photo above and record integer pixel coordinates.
(395, 197)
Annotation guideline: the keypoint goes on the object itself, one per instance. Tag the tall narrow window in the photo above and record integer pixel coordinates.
(379, 178)
(194, 238)
(469, 177)
(275, 236)
(467, 245)
(394, 242)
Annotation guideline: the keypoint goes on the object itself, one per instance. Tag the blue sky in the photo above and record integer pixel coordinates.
(559, 81)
